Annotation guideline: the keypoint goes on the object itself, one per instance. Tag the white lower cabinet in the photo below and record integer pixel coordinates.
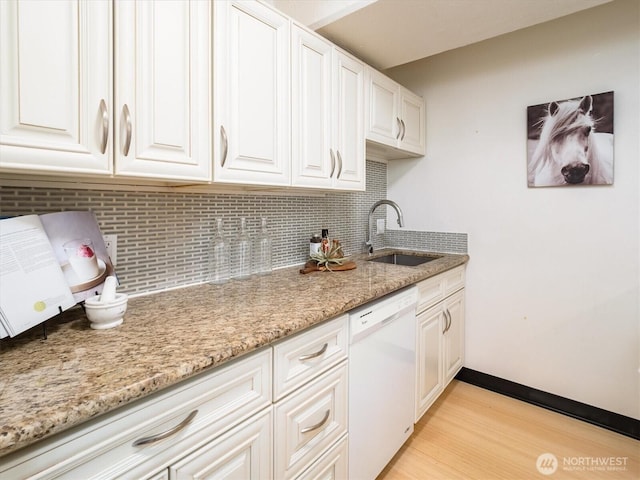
(147, 438)
(440, 336)
(242, 453)
(255, 418)
(309, 422)
(333, 465)
(310, 402)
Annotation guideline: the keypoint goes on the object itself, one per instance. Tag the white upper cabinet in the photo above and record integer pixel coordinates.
(55, 86)
(251, 136)
(58, 113)
(349, 122)
(313, 158)
(163, 104)
(394, 117)
(327, 115)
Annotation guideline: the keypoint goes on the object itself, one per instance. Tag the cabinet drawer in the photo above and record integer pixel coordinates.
(331, 466)
(243, 452)
(309, 422)
(104, 448)
(435, 289)
(301, 358)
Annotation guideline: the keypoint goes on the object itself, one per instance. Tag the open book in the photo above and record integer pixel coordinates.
(48, 263)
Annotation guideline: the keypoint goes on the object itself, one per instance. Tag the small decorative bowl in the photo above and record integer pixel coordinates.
(106, 315)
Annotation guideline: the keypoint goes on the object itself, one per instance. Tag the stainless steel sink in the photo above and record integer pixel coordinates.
(408, 260)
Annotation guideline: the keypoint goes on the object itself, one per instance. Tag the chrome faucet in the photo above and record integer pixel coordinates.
(367, 243)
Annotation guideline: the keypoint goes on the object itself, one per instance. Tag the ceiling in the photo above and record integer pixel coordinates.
(387, 33)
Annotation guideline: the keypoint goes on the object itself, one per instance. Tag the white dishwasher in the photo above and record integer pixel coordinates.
(382, 357)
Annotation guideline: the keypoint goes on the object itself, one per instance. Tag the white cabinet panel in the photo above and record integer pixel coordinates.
(243, 453)
(309, 422)
(333, 465)
(55, 86)
(454, 336)
(349, 122)
(252, 94)
(328, 124)
(394, 117)
(412, 120)
(383, 119)
(299, 359)
(429, 371)
(440, 333)
(162, 89)
(311, 85)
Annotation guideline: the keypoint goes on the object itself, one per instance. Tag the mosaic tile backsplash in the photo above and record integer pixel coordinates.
(163, 237)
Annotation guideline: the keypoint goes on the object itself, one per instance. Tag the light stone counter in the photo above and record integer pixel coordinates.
(48, 386)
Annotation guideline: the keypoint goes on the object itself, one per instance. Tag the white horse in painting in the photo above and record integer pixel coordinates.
(569, 150)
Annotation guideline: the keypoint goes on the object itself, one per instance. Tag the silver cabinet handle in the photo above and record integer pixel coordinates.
(399, 128)
(446, 321)
(340, 162)
(317, 425)
(309, 356)
(333, 163)
(104, 113)
(403, 129)
(168, 433)
(448, 313)
(127, 140)
(225, 143)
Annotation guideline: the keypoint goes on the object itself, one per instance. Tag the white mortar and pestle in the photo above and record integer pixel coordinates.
(106, 310)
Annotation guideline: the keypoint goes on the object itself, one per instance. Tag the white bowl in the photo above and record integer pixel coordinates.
(106, 315)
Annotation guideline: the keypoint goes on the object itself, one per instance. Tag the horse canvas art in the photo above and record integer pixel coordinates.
(571, 142)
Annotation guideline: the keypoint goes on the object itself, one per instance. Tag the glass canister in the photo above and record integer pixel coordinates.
(263, 250)
(218, 256)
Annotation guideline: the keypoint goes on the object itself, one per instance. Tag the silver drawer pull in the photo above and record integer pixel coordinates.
(168, 433)
(309, 356)
(317, 425)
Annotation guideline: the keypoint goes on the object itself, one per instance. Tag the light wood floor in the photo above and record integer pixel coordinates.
(472, 433)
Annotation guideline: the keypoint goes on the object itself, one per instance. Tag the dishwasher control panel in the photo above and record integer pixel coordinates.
(381, 311)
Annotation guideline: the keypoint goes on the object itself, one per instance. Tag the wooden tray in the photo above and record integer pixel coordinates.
(312, 266)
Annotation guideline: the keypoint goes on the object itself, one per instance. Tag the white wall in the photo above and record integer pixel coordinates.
(553, 282)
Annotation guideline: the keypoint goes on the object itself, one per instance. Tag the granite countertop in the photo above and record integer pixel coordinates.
(48, 386)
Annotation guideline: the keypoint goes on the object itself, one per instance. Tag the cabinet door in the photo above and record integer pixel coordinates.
(333, 465)
(163, 73)
(429, 371)
(308, 422)
(311, 64)
(55, 86)
(348, 99)
(242, 453)
(412, 119)
(382, 115)
(454, 336)
(252, 99)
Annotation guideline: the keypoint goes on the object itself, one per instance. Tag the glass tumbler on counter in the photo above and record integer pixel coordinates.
(243, 252)
(218, 256)
(263, 250)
